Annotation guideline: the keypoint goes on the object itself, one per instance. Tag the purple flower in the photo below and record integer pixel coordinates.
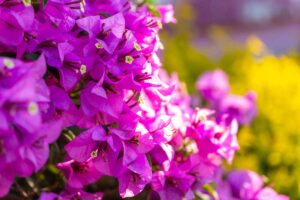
(162, 155)
(104, 33)
(128, 56)
(6, 180)
(133, 180)
(79, 174)
(172, 184)
(96, 146)
(213, 85)
(109, 7)
(243, 108)
(95, 98)
(24, 95)
(269, 193)
(96, 73)
(249, 185)
(215, 139)
(14, 21)
(245, 184)
(35, 154)
(62, 14)
(74, 65)
(71, 193)
(139, 144)
(25, 132)
(166, 13)
(62, 106)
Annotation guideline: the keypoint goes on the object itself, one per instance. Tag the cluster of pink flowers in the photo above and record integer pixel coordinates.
(214, 88)
(93, 65)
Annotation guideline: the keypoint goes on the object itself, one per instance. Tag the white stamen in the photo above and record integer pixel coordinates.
(83, 69)
(9, 64)
(33, 108)
(129, 59)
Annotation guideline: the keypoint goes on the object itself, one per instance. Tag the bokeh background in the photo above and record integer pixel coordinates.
(257, 42)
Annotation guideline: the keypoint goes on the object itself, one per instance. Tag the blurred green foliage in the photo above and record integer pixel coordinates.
(271, 144)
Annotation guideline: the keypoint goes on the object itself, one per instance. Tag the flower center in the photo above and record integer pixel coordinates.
(98, 45)
(83, 69)
(129, 59)
(137, 46)
(9, 64)
(32, 108)
(94, 154)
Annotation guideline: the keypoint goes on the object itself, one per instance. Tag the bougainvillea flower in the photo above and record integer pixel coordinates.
(137, 176)
(25, 135)
(62, 106)
(166, 13)
(107, 7)
(71, 193)
(74, 66)
(162, 155)
(245, 184)
(6, 180)
(62, 14)
(93, 102)
(213, 85)
(270, 193)
(79, 174)
(14, 21)
(173, 184)
(95, 146)
(104, 33)
(215, 140)
(249, 185)
(139, 144)
(87, 76)
(243, 108)
(35, 154)
(22, 90)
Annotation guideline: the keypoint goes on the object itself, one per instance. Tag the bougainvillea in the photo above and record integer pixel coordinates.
(89, 71)
(214, 88)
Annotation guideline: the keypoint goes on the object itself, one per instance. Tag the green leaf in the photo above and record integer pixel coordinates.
(32, 56)
(211, 189)
(45, 2)
(201, 196)
(153, 2)
(105, 14)
(27, 2)
(153, 10)
(53, 169)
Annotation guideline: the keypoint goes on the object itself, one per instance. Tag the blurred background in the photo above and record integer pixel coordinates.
(257, 42)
